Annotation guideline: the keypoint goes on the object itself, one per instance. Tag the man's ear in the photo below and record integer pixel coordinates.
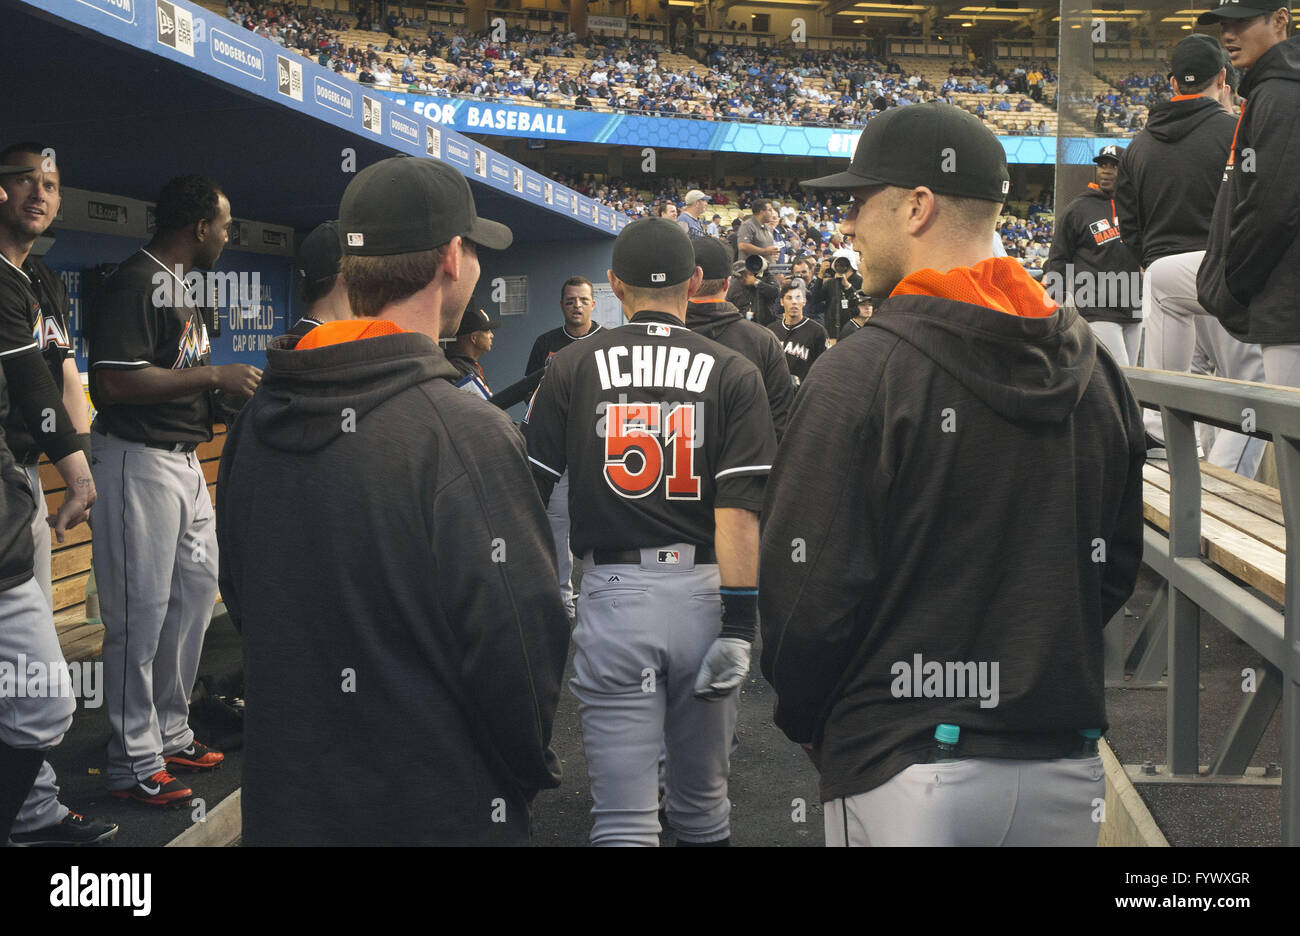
(615, 284)
(451, 258)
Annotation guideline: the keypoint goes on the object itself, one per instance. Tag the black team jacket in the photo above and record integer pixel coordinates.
(1089, 264)
(1169, 177)
(980, 501)
(723, 322)
(402, 628)
(1250, 277)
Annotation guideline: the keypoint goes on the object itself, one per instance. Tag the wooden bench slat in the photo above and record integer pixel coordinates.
(70, 590)
(1264, 506)
(1234, 515)
(1241, 555)
(67, 562)
(1250, 485)
(51, 480)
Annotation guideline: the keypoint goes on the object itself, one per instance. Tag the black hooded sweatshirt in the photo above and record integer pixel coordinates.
(1169, 177)
(403, 633)
(1250, 277)
(1088, 264)
(980, 501)
(723, 322)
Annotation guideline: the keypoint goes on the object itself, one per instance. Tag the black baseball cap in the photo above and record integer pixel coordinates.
(404, 205)
(1240, 9)
(1108, 152)
(712, 257)
(1195, 59)
(319, 253)
(653, 253)
(937, 145)
(476, 319)
(14, 170)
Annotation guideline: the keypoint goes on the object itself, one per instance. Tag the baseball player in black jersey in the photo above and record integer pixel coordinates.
(668, 438)
(473, 340)
(577, 302)
(1169, 177)
(802, 339)
(29, 725)
(859, 321)
(1089, 267)
(709, 314)
(155, 546)
(321, 290)
(47, 414)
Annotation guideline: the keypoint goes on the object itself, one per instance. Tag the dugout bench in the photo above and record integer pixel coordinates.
(1213, 536)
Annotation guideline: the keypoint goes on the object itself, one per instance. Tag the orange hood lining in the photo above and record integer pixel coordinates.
(998, 283)
(332, 333)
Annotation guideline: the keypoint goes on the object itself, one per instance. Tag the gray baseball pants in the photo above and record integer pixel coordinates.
(1120, 340)
(1175, 320)
(976, 801)
(42, 807)
(557, 511)
(155, 554)
(27, 722)
(641, 635)
(1282, 365)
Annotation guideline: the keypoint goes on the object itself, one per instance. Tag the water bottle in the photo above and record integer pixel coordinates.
(1087, 743)
(92, 599)
(946, 739)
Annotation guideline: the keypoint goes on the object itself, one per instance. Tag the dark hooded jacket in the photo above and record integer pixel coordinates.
(403, 633)
(1088, 265)
(1250, 277)
(980, 501)
(1169, 177)
(723, 322)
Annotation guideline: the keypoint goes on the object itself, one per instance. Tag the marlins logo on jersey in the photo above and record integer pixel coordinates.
(1103, 231)
(47, 332)
(192, 346)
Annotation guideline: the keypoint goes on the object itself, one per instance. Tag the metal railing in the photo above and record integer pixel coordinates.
(1193, 583)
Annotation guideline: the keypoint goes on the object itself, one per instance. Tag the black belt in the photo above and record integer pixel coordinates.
(704, 555)
(184, 447)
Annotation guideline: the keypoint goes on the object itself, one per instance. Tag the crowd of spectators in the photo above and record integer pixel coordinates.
(1028, 239)
(730, 82)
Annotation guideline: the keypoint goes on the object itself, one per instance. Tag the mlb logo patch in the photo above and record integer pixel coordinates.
(356, 239)
(669, 557)
(661, 331)
(658, 277)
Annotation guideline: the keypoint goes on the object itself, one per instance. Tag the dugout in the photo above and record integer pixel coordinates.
(104, 83)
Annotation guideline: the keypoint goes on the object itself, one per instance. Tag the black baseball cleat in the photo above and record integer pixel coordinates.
(162, 789)
(195, 757)
(74, 829)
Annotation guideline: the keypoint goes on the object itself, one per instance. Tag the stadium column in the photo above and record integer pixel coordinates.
(476, 14)
(578, 18)
(1075, 111)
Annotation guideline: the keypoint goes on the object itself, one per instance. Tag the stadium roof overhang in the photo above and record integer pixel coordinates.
(123, 122)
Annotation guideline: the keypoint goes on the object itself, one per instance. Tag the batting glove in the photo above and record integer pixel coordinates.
(724, 668)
